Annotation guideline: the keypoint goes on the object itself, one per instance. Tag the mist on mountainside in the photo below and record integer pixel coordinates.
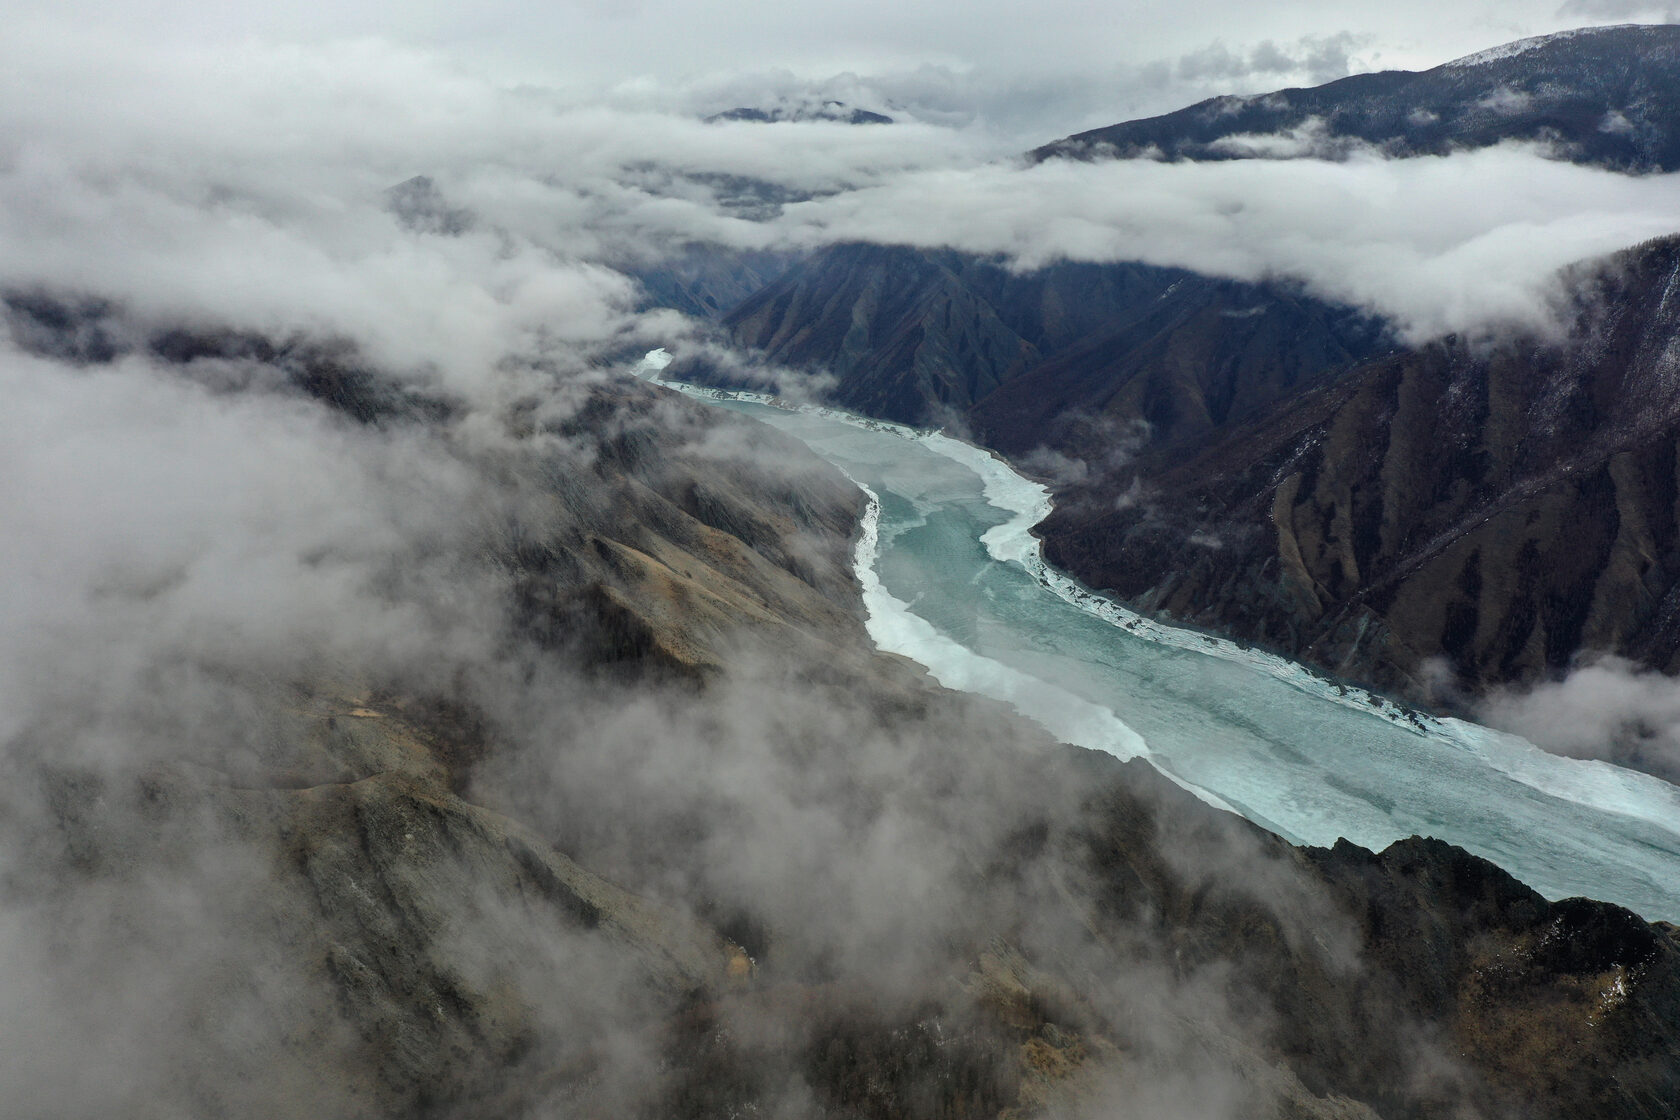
(565, 199)
(341, 715)
(372, 751)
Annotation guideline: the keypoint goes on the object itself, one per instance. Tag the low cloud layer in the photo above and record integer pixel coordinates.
(1012, 108)
(144, 182)
(1468, 242)
(1320, 58)
(160, 526)
(1612, 709)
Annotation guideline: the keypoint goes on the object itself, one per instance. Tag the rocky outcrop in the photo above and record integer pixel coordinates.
(411, 903)
(1438, 951)
(1516, 981)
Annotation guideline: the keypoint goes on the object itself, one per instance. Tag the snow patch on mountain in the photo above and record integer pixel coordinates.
(1524, 46)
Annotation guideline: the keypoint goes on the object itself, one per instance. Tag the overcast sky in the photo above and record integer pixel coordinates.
(1053, 66)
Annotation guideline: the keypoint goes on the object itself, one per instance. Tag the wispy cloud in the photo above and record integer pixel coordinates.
(1611, 709)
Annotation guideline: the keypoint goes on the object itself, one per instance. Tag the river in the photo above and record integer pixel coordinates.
(953, 579)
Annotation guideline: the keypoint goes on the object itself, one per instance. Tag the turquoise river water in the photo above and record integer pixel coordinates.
(952, 578)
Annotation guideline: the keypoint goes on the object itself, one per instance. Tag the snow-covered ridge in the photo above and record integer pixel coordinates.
(1523, 46)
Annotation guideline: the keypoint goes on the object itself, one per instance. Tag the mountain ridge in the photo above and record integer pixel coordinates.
(1603, 96)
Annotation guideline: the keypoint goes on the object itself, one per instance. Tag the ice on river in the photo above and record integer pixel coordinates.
(953, 579)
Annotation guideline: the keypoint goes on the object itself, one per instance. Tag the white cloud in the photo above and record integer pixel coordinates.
(1611, 709)
(152, 521)
(1030, 73)
(1467, 242)
(598, 43)
(145, 179)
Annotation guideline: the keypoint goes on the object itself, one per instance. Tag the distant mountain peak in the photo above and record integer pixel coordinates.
(1607, 96)
(420, 206)
(1523, 46)
(802, 111)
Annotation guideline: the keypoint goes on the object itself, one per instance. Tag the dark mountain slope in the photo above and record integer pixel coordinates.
(1373, 521)
(1607, 96)
(643, 549)
(1204, 354)
(1506, 509)
(707, 283)
(899, 329)
(923, 337)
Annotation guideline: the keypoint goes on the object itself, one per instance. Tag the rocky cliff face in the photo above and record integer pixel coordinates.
(1503, 507)
(902, 332)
